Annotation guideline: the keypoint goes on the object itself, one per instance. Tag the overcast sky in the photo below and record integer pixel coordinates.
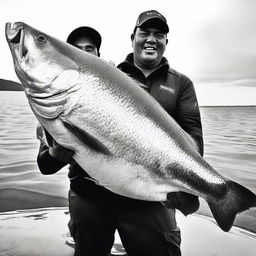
(211, 41)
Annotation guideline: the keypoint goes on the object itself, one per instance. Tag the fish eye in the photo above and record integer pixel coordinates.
(42, 39)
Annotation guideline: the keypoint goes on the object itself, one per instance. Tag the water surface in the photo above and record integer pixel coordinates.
(230, 147)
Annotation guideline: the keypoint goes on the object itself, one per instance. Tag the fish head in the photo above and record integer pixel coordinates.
(36, 59)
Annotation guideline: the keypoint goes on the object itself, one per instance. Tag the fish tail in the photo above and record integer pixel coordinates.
(236, 200)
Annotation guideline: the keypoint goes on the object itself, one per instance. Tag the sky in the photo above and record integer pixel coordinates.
(213, 42)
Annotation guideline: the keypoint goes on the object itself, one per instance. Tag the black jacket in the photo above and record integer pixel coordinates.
(174, 91)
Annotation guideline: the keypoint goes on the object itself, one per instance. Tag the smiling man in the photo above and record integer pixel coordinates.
(154, 232)
(149, 41)
(149, 45)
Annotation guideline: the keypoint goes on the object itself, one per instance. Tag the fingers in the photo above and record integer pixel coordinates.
(61, 153)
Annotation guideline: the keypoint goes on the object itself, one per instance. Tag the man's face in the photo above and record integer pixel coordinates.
(148, 46)
(87, 45)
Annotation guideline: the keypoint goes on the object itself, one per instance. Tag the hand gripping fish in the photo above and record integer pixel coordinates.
(121, 136)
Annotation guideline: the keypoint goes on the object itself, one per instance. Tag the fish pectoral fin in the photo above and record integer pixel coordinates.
(86, 138)
(236, 200)
(96, 182)
(93, 180)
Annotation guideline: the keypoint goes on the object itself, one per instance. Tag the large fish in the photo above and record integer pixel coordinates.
(120, 135)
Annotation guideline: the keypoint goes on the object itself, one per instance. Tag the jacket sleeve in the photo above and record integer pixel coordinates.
(46, 163)
(188, 113)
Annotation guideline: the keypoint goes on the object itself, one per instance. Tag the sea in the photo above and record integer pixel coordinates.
(230, 147)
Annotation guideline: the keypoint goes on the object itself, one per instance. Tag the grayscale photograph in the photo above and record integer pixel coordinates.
(128, 128)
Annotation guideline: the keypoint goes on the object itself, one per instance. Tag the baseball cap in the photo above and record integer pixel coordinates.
(93, 34)
(153, 18)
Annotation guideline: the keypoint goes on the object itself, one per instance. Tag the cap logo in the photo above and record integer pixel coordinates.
(154, 13)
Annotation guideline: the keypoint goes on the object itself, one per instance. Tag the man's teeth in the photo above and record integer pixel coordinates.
(149, 48)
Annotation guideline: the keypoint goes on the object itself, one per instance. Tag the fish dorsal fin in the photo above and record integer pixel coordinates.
(86, 138)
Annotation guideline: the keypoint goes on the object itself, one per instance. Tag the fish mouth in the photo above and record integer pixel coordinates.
(15, 36)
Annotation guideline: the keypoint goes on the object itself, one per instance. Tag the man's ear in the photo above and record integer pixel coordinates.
(132, 38)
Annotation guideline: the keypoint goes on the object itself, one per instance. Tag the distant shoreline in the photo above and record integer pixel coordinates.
(8, 85)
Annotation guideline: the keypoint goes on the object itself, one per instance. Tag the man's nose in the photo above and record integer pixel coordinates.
(151, 38)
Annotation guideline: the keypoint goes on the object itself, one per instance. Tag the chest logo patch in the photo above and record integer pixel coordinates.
(168, 89)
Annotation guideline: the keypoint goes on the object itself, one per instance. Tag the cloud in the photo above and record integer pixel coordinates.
(237, 92)
(250, 82)
(228, 43)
